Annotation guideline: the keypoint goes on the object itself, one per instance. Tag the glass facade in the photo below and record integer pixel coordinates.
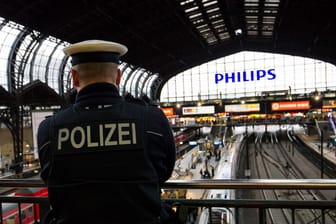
(248, 74)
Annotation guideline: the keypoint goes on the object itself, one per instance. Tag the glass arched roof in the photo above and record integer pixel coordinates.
(248, 74)
(27, 55)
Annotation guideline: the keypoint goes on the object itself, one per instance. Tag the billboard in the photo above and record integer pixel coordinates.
(291, 105)
(328, 104)
(168, 111)
(249, 107)
(198, 110)
(37, 118)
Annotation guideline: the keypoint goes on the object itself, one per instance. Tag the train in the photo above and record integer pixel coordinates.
(29, 213)
(185, 135)
(226, 169)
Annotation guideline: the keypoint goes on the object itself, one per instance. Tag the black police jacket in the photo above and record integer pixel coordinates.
(104, 157)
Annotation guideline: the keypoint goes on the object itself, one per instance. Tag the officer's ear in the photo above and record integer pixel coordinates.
(75, 78)
(118, 77)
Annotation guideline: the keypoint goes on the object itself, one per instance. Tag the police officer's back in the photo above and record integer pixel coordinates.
(104, 157)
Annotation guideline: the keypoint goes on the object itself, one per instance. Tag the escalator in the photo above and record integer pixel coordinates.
(332, 137)
(332, 123)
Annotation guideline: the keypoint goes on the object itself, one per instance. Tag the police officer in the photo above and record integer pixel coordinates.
(104, 159)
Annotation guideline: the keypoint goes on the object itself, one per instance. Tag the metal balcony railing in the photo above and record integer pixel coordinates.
(210, 205)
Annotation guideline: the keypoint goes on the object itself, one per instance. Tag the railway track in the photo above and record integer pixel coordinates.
(263, 172)
(27, 173)
(275, 158)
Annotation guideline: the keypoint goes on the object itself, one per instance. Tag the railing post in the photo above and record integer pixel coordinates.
(1, 212)
(210, 215)
(323, 215)
(19, 213)
(262, 216)
(236, 215)
(293, 215)
(322, 162)
(35, 212)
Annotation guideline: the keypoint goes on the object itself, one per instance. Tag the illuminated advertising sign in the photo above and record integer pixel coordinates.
(245, 76)
(37, 117)
(249, 107)
(291, 105)
(168, 111)
(198, 110)
(327, 104)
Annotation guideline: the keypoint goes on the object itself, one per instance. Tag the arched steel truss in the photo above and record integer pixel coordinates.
(21, 69)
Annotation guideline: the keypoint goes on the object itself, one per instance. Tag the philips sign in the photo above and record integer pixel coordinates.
(245, 76)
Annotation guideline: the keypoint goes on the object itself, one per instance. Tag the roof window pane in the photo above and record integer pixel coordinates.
(267, 19)
(219, 26)
(212, 10)
(210, 3)
(7, 38)
(252, 17)
(191, 9)
(202, 26)
(270, 11)
(224, 36)
(197, 21)
(271, 5)
(251, 25)
(251, 4)
(267, 33)
(251, 11)
(195, 15)
(212, 40)
(252, 32)
(266, 27)
(214, 22)
(186, 2)
(207, 29)
(214, 16)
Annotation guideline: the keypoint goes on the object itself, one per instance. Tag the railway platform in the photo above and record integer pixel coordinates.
(314, 142)
(192, 166)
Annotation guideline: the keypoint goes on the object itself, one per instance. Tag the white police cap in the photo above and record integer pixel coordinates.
(95, 51)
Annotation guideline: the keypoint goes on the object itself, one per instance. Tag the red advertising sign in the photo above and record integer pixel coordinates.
(168, 111)
(291, 105)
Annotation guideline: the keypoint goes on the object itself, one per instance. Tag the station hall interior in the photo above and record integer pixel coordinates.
(228, 74)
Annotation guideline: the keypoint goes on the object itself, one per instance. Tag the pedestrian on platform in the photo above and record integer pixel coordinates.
(208, 155)
(206, 174)
(219, 155)
(81, 146)
(212, 170)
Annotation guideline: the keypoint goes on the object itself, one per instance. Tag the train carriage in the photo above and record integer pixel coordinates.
(29, 213)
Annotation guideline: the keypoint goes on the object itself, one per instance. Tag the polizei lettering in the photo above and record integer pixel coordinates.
(245, 76)
(96, 135)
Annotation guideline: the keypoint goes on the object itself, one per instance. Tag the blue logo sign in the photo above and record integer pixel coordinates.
(245, 76)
